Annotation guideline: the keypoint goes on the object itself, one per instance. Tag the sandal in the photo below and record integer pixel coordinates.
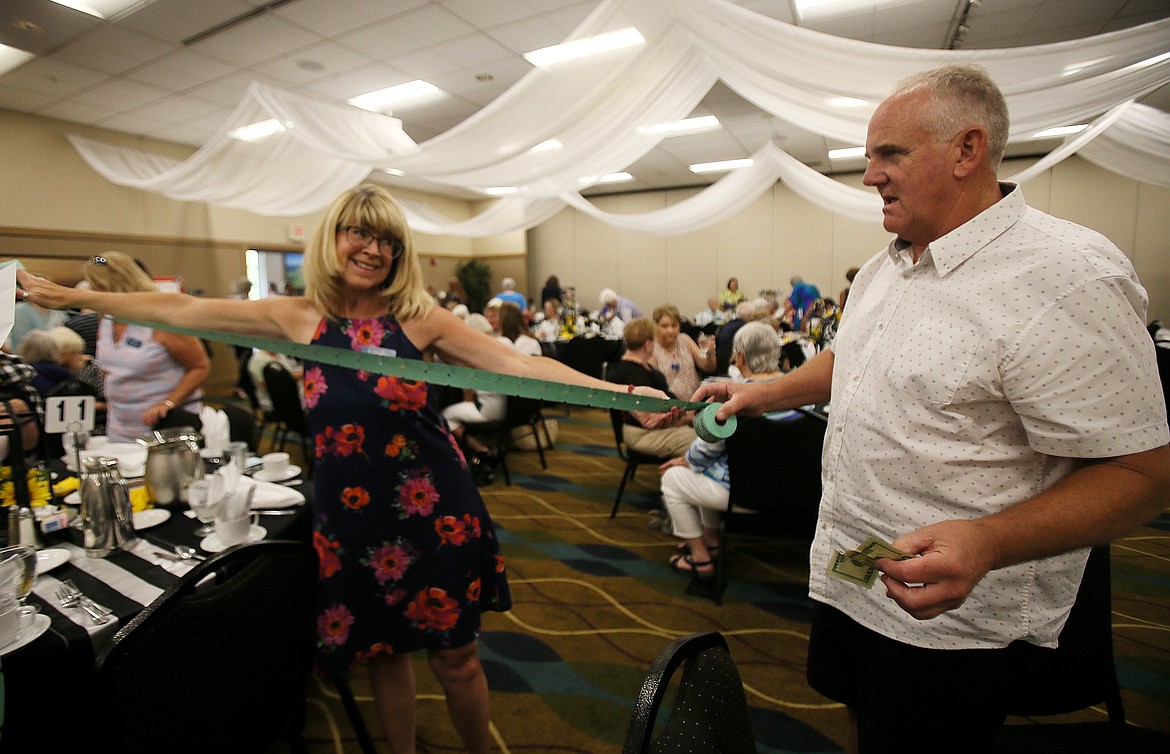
(693, 567)
(685, 548)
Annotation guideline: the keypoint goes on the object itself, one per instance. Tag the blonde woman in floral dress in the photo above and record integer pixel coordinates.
(409, 556)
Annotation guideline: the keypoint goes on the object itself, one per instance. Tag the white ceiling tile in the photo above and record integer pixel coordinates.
(333, 17)
(12, 98)
(178, 108)
(120, 94)
(359, 81)
(78, 112)
(314, 62)
(176, 20)
(256, 40)
(51, 77)
(180, 70)
(113, 50)
(119, 122)
(414, 30)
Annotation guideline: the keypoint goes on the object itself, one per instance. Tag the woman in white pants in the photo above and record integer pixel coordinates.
(695, 486)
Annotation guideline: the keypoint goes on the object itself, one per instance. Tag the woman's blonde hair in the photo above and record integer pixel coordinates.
(668, 310)
(371, 207)
(116, 272)
(38, 345)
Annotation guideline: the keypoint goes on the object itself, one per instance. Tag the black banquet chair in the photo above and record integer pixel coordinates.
(218, 662)
(287, 416)
(632, 458)
(1078, 673)
(709, 711)
(520, 412)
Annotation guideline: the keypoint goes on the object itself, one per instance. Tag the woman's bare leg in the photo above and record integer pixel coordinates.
(392, 678)
(461, 676)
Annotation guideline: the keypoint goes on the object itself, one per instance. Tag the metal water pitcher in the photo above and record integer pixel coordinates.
(107, 518)
(172, 463)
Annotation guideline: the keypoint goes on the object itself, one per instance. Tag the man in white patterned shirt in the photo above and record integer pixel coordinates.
(981, 420)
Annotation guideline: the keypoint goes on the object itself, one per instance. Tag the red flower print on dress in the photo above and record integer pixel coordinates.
(315, 386)
(348, 440)
(321, 328)
(381, 648)
(433, 610)
(473, 590)
(355, 498)
(333, 625)
(455, 444)
(401, 448)
(394, 596)
(390, 561)
(365, 332)
(402, 395)
(499, 563)
(417, 495)
(326, 555)
(451, 530)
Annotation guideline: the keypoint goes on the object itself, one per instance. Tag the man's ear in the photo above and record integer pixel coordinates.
(972, 151)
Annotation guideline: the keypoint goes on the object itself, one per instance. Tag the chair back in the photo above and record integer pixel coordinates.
(218, 666)
(285, 395)
(709, 712)
(618, 421)
(775, 467)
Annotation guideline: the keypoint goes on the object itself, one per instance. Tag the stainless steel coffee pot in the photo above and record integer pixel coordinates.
(172, 463)
(107, 517)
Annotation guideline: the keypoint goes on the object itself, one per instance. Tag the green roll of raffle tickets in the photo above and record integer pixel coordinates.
(381, 361)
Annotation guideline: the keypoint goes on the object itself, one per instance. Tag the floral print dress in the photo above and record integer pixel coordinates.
(409, 557)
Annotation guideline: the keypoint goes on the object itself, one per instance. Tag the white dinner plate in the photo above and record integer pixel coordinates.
(211, 542)
(37, 626)
(73, 498)
(292, 471)
(50, 558)
(150, 517)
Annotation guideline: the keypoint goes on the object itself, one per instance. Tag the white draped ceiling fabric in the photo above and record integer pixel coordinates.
(601, 111)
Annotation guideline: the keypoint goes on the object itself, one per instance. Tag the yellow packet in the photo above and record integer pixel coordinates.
(140, 499)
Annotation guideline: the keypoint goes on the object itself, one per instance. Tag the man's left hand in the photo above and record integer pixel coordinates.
(954, 557)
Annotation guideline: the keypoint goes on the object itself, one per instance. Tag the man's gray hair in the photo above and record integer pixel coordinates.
(964, 95)
(760, 345)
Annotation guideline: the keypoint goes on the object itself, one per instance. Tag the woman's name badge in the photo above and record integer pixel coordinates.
(134, 342)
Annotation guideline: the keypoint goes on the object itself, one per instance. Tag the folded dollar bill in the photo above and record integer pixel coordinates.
(846, 569)
(869, 551)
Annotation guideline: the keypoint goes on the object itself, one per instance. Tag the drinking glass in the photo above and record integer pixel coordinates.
(20, 563)
(204, 508)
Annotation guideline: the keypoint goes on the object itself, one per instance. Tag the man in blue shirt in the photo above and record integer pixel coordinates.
(802, 296)
(511, 294)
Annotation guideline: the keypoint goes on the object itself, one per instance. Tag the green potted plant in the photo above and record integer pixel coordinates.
(476, 279)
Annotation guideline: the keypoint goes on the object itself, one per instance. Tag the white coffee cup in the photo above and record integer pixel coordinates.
(234, 531)
(10, 613)
(275, 465)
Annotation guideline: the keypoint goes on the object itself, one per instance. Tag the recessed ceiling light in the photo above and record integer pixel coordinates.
(393, 171)
(310, 65)
(615, 177)
(686, 126)
(11, 58)
(500, 190)
(580, 48)
(714, 167)
(1049, 133)
(100, 8)
(257, 131)
(846, 153)
(380, 100)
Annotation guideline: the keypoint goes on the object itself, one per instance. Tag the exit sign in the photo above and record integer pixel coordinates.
(297, 232)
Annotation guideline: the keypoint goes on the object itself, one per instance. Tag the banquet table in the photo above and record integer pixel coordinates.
(46, 676)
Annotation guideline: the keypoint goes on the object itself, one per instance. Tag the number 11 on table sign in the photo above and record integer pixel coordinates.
(69, 413)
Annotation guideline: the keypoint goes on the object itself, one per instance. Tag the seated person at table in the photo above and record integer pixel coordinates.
(547, 326)
(514, 331)
(40, 351)
(477, 407)
(16, 389)
(636, 367)
(677, 355)
(695, 486)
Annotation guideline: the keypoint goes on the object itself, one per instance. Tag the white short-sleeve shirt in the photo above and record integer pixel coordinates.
(969, 382)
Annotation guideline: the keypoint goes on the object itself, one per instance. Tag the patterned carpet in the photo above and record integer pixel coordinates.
(595, 601)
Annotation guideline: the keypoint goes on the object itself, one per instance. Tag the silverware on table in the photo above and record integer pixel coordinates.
(69, 599)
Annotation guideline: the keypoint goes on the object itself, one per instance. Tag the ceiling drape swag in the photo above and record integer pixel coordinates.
(559, 129)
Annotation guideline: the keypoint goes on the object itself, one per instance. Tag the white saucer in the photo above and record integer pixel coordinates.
(211, 542)
(73, 498)
(150, 517)
(292, 471)
(39, 625)
(49, 559)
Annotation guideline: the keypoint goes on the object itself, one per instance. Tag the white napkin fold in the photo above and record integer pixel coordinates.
(216, 430)
(270, 496)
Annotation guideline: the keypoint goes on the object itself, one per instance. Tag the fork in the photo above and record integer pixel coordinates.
(81, 595)
(69, 596)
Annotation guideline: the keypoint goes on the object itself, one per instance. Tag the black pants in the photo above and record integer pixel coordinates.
(907, 697)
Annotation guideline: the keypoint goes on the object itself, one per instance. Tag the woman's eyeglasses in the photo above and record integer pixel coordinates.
(98, 260)
(359, 236)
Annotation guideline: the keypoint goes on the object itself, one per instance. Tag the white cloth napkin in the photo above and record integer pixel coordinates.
(269, 495)
(216, 429)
